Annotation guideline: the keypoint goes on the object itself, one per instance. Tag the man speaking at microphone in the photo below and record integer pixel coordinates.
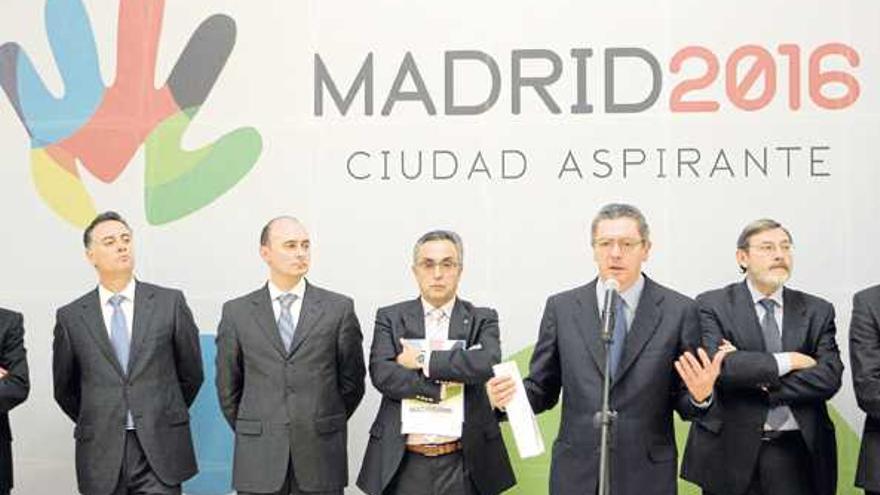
(656, 332)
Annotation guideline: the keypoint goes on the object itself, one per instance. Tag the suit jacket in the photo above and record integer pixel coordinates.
(570, 356)
(290, 406)
(864, 352)
(722, 448)
(14, 386)
(485, 457)
(163, 377)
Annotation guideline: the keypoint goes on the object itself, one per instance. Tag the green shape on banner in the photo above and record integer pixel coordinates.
(533, 474)
(179, 182)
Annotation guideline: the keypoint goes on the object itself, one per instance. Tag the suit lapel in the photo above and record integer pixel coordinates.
(143, 312)
(647, 319)
(460, 324)
(588, 320)
(413, 321)
(747, 328)
(311, 310)
(94, 321)
(794, 320)
(265, 317)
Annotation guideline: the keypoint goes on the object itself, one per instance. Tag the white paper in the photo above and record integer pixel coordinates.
(526, 432)
(443, 418)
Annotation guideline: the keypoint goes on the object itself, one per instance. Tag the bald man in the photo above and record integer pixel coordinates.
(290, 372)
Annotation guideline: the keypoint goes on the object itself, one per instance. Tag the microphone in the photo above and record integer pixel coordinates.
(611, 288)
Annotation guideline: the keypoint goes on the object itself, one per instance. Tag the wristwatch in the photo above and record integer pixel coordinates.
(420, 359)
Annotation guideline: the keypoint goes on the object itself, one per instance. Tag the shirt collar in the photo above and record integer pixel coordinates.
(298, 290)
(104, 294)
(447, 308)
(757, 295)
(630, 296)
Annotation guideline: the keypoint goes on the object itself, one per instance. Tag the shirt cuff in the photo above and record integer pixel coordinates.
(427, 365)
(701, 405)
(783, 362)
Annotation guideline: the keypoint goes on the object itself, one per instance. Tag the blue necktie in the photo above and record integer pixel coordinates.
(119, 332)
(777, 416)
(286, 325)
(121, 342)
(619, 335)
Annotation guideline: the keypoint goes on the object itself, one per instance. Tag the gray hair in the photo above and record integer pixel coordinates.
(614, 211)
(440, 235)
(756, 227)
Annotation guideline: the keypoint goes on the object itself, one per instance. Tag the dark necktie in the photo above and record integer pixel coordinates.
(776, 416)
(619, 335)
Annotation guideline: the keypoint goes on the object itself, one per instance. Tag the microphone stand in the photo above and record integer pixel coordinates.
(604, 418)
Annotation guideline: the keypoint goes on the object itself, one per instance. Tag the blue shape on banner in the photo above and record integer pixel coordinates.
(211, 434)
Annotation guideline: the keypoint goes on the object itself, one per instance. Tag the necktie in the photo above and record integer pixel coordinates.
(286, 325)
(121, 342)
(619, 335)
(435, 317)
(119, 331)
(776, 416)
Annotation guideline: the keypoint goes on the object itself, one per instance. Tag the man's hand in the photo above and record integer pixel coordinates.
(726, 346)
(699, 375)
(408, 358)
(800, 361)
(500, 390)
(3, 373)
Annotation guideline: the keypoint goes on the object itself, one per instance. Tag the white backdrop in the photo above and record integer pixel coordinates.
(524, 238)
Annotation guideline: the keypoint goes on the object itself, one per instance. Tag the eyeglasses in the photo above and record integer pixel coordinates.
(768, 248)
(625, 245)
(445, 266)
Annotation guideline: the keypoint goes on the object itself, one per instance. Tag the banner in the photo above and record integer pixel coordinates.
(373, 122)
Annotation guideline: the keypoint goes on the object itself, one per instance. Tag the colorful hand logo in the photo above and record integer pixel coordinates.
(103, 127)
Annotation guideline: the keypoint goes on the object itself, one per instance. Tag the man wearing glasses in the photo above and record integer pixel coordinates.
(470, 459)
(656, 333)
(771, 434)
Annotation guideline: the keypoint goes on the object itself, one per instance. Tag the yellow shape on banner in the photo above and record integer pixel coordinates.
(62, 191)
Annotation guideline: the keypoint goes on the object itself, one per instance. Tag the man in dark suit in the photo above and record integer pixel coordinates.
(126, 367)
(769, 432)
(290, 372)
(656, 333)
(14, 386)
(864, 352)
(472, 459)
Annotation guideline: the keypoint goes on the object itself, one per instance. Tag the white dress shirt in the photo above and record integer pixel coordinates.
(783, 362)
(436, 329)
(299, 290)
(127, 306)
(631, 298)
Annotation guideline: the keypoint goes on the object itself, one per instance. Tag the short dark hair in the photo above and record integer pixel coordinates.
(440, 235)
(267, 229)
(756, 227)
(107, 216)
